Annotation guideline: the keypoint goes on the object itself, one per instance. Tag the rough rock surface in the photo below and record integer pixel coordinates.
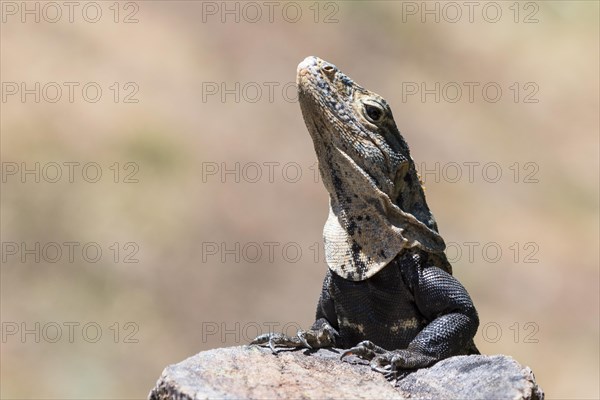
(253, 372)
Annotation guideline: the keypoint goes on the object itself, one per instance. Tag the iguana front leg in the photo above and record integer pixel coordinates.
(454, 321)
(322, 334)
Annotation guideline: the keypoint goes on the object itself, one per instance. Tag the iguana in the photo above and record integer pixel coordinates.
(389, 295)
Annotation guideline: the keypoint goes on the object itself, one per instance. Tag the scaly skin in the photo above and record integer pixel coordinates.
(389, 295)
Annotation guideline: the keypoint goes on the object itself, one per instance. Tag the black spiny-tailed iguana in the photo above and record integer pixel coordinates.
(389, 295)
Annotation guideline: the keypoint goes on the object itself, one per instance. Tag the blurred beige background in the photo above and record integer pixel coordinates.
(200, 140)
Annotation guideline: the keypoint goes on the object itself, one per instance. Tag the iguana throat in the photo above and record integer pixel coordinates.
(377, 204)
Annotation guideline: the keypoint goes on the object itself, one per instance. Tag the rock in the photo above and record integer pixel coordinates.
(480, 377)
(254, 372)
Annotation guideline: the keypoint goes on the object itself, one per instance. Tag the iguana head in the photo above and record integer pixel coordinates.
(377, 204)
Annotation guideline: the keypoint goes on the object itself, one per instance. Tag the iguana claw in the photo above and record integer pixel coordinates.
(310, 339)
(389, 363)
(303, 339)
(278, 339)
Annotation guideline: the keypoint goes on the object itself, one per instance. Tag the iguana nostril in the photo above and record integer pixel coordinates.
(328, 69)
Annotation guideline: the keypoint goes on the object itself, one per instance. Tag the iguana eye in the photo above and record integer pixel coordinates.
(374, 112)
